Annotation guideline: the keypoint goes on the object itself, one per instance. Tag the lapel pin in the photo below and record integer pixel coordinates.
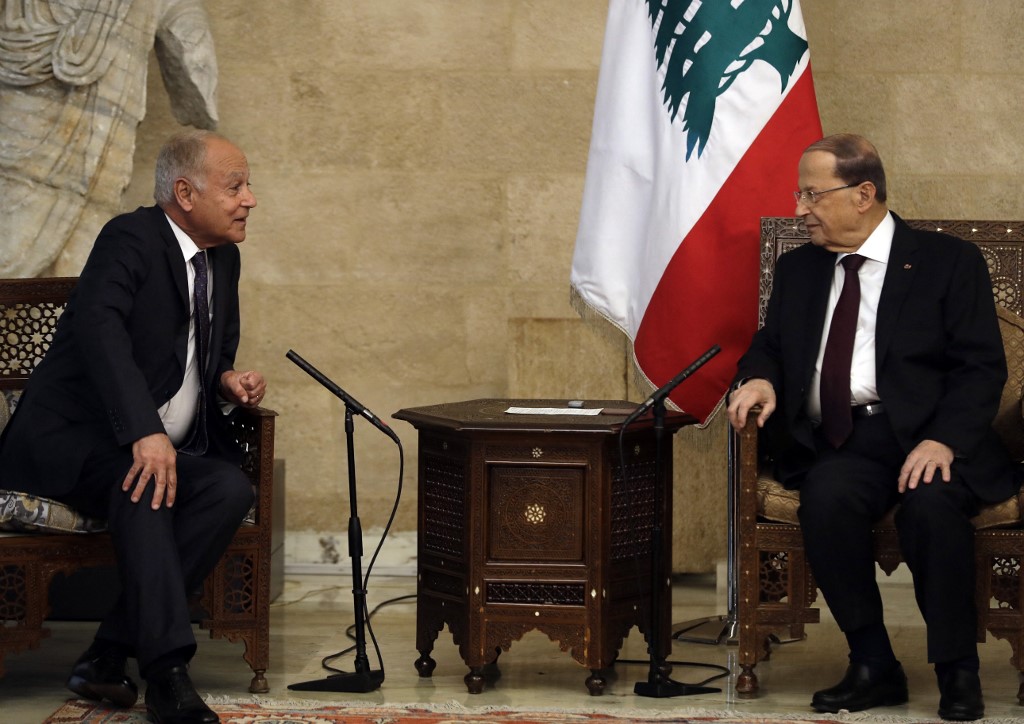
(906, 266)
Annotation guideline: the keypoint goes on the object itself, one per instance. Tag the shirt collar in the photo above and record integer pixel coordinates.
(879, 243)
(188, 247)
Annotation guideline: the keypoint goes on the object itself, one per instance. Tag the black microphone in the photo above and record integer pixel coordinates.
(662, 392)
(346, 398)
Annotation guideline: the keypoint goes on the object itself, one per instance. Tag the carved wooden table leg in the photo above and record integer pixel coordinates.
(259, 684)
(425, 665)
(475, 680)
(746, 682)
(596, 682)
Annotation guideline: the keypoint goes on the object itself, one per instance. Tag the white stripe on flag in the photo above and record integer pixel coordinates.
(643, 195)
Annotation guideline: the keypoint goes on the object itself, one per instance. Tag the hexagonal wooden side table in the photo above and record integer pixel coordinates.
(527, 522)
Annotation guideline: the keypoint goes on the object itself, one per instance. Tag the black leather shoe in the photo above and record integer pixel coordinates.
(100, 674)
(171, 699)
(960, 698)
(863, 688)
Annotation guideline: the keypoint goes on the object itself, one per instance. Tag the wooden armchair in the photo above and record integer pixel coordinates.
(51, 538)
(776, 589)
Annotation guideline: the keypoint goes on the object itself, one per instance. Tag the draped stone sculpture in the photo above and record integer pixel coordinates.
(72, 94)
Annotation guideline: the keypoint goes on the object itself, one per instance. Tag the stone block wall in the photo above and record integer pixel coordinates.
(419, 168)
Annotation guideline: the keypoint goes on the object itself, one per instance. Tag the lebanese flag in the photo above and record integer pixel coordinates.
(703, 110)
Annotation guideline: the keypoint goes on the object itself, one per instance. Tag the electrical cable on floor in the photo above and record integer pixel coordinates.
(351, 630)
(724, 671)
(410, 597)
(304, 596)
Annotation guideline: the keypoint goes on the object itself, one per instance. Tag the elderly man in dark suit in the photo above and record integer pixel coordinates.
(882, 357)
(123, 419)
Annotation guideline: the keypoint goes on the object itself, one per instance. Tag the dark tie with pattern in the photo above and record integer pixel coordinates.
(201, 312)
(836, 415)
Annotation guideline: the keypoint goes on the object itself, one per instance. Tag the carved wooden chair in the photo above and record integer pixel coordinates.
(776, 589)
(42, 538)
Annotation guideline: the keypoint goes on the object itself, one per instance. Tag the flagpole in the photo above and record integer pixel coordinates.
(721, 629)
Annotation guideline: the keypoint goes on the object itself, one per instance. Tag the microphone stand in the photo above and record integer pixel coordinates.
(659, 684)
(363, 679)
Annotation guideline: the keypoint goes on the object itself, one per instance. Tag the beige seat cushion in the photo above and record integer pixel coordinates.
(779, 505)
(24, 513)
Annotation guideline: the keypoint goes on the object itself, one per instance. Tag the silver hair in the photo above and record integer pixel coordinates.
(182, 156)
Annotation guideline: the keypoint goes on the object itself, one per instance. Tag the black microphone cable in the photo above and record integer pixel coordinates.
(350, 631)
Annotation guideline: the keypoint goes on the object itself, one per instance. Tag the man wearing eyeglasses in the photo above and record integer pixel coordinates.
(882, 356)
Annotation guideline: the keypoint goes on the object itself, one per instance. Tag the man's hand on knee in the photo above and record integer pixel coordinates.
(922, 463)
(153, 459)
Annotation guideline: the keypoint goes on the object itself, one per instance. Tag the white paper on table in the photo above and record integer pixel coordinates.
(553, 411)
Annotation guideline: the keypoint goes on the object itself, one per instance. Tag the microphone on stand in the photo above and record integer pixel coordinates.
(345, 397)
(662, 392)
(363, 679)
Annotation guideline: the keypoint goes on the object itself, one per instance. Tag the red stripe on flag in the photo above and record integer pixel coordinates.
(708, 293)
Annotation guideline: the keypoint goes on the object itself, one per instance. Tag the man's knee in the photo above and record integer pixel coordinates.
(821, 497)
(937, 504)
(215, 485)
(838, 489)
(235, 491)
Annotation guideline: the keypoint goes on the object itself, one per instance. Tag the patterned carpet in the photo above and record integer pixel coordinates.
(318, 712)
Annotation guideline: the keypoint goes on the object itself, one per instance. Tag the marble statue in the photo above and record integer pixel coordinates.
(72, 94)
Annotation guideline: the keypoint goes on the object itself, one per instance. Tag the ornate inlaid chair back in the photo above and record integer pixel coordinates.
(29, 310)
(776, 590)
(35, 534)
(1002, 243)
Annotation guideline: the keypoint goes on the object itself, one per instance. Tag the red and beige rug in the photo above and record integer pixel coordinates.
(256, 711)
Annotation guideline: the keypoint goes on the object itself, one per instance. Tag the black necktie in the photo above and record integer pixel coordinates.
(201, 313)
(836, 416)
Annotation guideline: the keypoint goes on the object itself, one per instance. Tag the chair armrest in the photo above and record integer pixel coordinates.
(745, 467)
(253, 430)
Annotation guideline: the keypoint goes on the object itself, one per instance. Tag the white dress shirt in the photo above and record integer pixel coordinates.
(863, 386)
(178, 413)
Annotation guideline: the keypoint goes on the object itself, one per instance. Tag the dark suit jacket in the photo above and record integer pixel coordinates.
(118, 354)
(939, 360)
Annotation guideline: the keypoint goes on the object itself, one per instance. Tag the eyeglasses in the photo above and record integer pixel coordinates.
(811, 197)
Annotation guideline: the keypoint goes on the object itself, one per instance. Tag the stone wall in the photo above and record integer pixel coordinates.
(419, 168)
